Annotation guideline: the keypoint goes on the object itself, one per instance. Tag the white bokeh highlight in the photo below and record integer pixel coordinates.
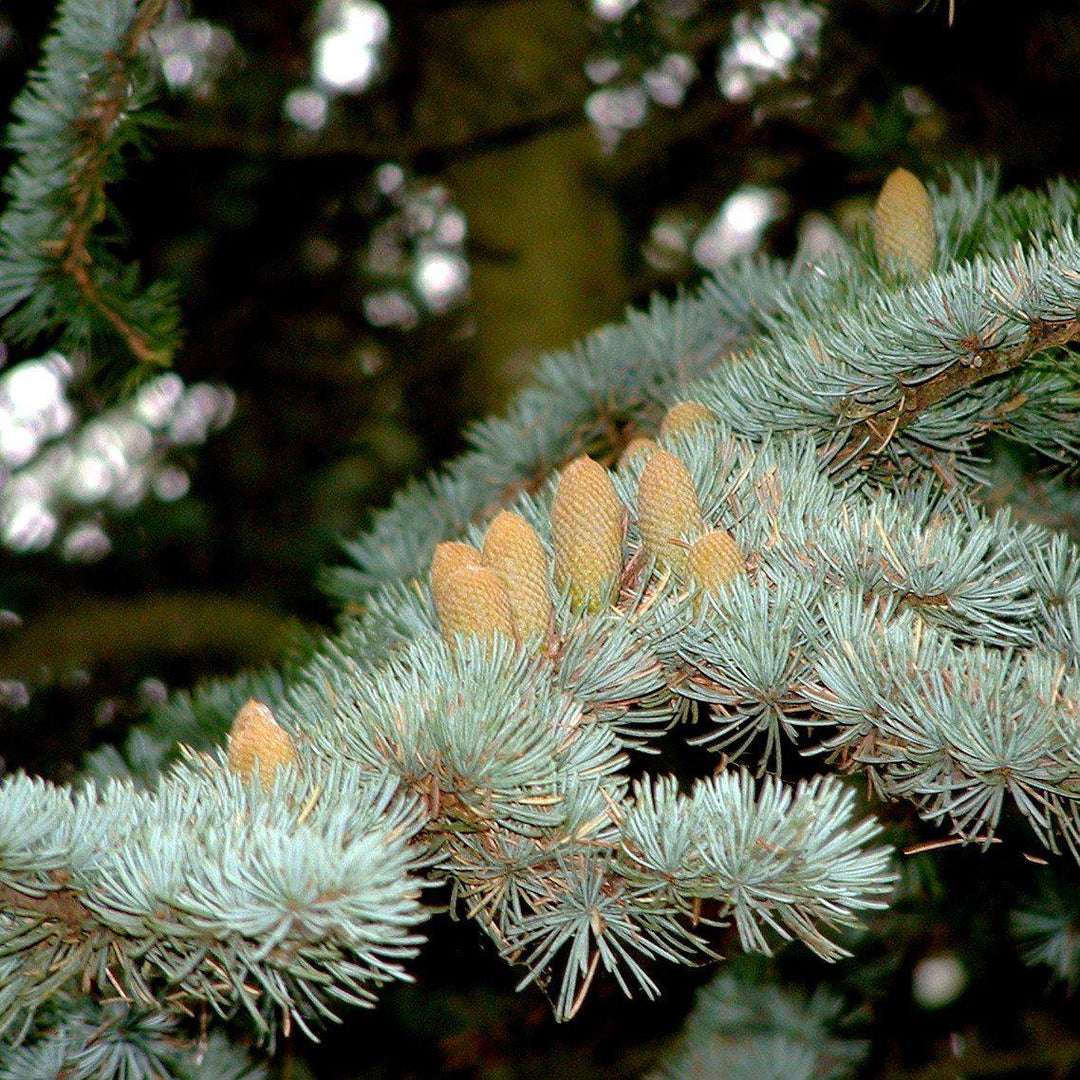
(59, 477)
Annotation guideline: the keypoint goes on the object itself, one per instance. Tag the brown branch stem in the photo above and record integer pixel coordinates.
(104, 107)
(867, 438)
(60, 904)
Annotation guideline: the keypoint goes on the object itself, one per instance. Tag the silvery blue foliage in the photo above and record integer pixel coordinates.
(745, 1028)
(885, 620)
(87, 1041)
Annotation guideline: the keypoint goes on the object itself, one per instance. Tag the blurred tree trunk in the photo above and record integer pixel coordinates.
(549, 254)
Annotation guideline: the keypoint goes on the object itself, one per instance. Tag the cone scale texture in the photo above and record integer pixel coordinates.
(586, 532)
(258, 742)
(448, 558)
(513, 550)
(685, 416)
(904, 229)
(714, 560)
(668, 510)
(475, 602)
(638, 447)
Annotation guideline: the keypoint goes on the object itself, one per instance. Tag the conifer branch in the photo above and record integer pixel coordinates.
(74, 121)
(815, 351)
(60, 905)
(868, 437)
(748, 1026)
(211, 892)
(906, 632)
(115, 1041)
(583, 400)
(104, 104)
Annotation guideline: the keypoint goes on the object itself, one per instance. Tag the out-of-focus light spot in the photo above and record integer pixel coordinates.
(818, 239)
(343, 65)
(367, 23)
(768, 46)
(156, 400)
(28, 526)
(348, 52)
(131, 488)
(196, 413)
(171, 483)
(420, 214)
(152, 692)
(612, 10)
(50, 473)
(738, 226)
(33, 408)
(179, 70)
(14, 694)
(602, 69)
(9, 620)
(92, 479)
(451, 228)
(226, 406)
(132, 440)
(737, 85)
(390, 308)
(105, 711)
(617, 107)
(615, 110)
(389, 178)
(307, 108)
(778, 44)
(938, 981)
(441, 279)
(193, 52)
(86, 542)
(18, 444)
(415, 256)
(668, 82)
(668, 246)
(31, 389)
(917, 101)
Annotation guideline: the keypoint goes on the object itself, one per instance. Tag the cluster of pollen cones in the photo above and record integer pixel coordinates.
(506, 587)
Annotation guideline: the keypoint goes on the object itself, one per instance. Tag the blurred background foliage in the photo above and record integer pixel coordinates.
(377, 215)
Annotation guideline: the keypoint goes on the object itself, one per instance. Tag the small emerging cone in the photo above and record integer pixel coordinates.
(638, 447)
(668, 509)
(686, 416)
(258, 741)
(449, 557)
(714, 560)
(513, 550)
(904, 222)
(475, 602)
(586, 532)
